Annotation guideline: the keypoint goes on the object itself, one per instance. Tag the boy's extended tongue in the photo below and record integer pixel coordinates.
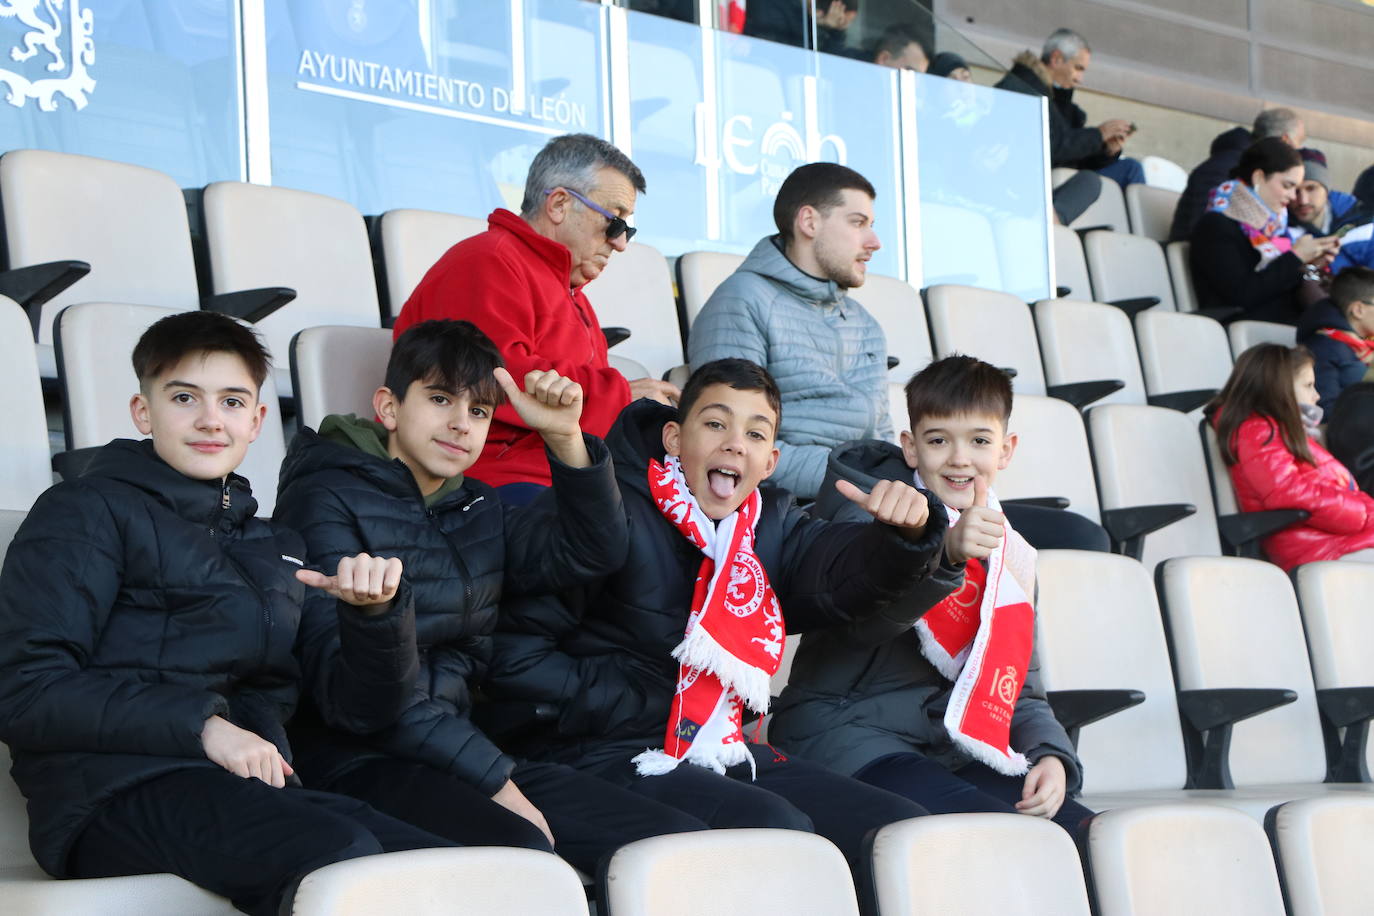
(722, 485)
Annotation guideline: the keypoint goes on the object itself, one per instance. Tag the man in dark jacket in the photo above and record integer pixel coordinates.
(146, 629)
(397, 488)
(1340, 333)
(608, 654)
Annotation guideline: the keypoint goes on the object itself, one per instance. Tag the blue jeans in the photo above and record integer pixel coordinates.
(1124, 171)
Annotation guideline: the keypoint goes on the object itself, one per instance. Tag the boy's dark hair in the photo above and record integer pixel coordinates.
(169, 340)
(455, 355)
(820, 185)
(739, 374)
(958, 385)
(1270, 155)
(1354, 284)
(1262, 384)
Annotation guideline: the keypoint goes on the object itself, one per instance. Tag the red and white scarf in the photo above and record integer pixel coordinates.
(734, 638)
(980, 638)
(1364, 349)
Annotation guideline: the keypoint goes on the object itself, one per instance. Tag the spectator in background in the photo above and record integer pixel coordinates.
(1364, 187)
(1317, 209)
(901, 48)
(790, 22)
(1283, 123)
(521, 282)
(1242, 258)
(951, 65)
(1340, 333)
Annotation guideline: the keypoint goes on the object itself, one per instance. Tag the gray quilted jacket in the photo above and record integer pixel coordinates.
(827, 354)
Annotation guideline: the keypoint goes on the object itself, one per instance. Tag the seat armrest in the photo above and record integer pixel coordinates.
(615, 336)
(893, 362)
(1208, 716)
(1183, 401)
(1223, 314)
(250, 305)
(1062, 291)
(1348, 708)
(1077, 708)
(1129, 526)
(1081, 394)
(1132, 306)
(1043, 502)
(1243, 528)
(36, 284)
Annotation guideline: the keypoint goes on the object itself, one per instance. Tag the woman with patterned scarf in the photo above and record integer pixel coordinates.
(1244, 263)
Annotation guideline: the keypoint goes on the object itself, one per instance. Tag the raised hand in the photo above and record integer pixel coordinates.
(1043, 791)
(893, 503)
(243, 753)
(551, 405)
(368, 583)
(979, 530)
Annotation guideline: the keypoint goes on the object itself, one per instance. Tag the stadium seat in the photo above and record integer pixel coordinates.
(1127, 270)
(727, 871)
(937, 864)
(995, 327)
(1164, 860)
(259, 236)
(698, 275)
(1323, 848)
(1151, 210)
(336, 369)
(631, 369)
(1070, 269)
(409, 242)
(1185, 358)
(10, 520)
(896, 305)
(1164, 173)
(1087, 342)
(1181, 276)
(1245, 334)
(1052, 458)
(491, 881)
(896, 409)
(1108, 211)
(25, 470)
(1241, 532)
(96, 389)
(635, 292)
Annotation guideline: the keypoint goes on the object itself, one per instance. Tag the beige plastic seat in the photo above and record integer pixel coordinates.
(1166, 860)
(1245, 334)
(336, 370)
(1186, 358)
(928, 865)
(631, 369)
(491, 881)
(1323, 848)
(897, 410)
(1087, 342)
(1052, 457)
(1151, 210)
(1181, 276)
(94, 341)
(698, 275)
(635, 291)
(24, 463)
(995, 327)
(411, 241)
(1124, 266)
(728, 871)
(1070, 267)
(896, 306)
(1164, 173)
(1108, 210)
(259, 236)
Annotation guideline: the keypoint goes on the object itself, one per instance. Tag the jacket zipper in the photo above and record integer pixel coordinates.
(224, 504)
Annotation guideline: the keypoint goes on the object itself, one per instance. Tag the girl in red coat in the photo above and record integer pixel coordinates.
(1264, 418)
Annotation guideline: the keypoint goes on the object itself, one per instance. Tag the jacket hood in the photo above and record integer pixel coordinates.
(862, 462)
(767, 260)
(1029, 60)
(356, 445)
(636, 437)
(1234, 140)
(137, 464)
(1323, 314)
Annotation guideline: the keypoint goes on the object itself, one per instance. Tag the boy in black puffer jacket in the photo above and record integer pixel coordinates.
(396, 488)
(146, 628)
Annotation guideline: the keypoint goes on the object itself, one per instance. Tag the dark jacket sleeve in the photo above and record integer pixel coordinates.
(1223, 260)
(572, 532)
(1072, 142)
(429, 731)
(901, 615)
(61, 578)
(1036, 733)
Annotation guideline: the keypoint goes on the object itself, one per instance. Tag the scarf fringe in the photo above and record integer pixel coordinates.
(699, 649)
(947, 665)
(655, 762)
(1007, 762)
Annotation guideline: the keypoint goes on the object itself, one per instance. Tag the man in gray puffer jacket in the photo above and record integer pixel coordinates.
(785, 309)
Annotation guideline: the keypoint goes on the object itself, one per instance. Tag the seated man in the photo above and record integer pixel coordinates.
(668, 652)
(1340, 333)
(521, 282)
(900, 48)
(1318, 210)
(786, 309)
(146, 663)
(397, 488)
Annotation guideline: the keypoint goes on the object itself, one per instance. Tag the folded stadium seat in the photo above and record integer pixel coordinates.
(25, 888)
(1127, 270)
(635, 292)
(1185, 357)
(1164, 173)
(1181, 276)
(1151, 210)
(1086, 343)
(25, 467)
(336, 369)
(407, 243)
(1241, 532)
(1323, 847)
(259, 236)
(751, 870)
(66, 214)
(896, 305)
(1334, 598)
(492, 881)
(698, 275)
(896, 409)
(995, 327)
(1165, 860)
(93, 342)
(1052, 464)
(1245, 334)
(927, 865)
(1070, 268)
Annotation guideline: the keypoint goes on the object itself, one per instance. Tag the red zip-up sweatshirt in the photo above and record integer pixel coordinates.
(512, 283)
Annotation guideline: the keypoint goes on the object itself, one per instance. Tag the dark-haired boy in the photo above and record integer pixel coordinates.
(397, 488)
(146, 628)
(1340, 333)
(652, 666)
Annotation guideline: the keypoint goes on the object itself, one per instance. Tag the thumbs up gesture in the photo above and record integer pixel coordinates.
(979, 530)
(893, 503)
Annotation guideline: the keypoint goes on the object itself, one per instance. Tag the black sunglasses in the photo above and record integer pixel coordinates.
(614, 228)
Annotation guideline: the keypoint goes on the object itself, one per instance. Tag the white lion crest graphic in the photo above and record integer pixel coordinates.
(44, 21)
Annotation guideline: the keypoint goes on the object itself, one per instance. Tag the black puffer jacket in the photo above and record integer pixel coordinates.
(459, 555)
(604, 653)
(135, 603)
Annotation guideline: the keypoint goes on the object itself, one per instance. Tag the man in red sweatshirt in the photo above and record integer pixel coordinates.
(521, 283)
